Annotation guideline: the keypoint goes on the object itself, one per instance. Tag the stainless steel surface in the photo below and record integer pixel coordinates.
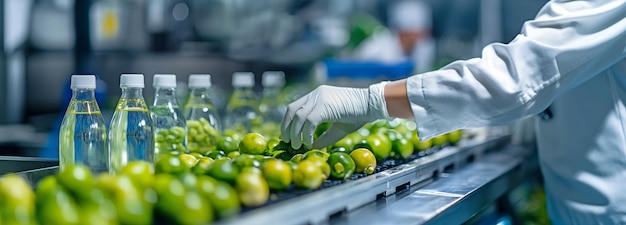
(319, 206)
(452, 199)
(14, 164)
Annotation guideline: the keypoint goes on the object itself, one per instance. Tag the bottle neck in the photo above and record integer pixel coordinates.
(165, 96)
(83, 94)
(132, 92)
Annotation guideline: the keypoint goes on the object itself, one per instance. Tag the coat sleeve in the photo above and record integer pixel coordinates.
(566, 44)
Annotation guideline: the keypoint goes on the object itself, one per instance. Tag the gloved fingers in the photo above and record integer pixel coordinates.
(307, 133)
(335, 133)
(289, 116)
(295, 129)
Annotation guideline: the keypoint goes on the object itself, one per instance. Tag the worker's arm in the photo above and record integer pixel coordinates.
(567, 44)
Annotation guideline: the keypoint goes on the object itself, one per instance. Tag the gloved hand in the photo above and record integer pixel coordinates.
(347, 109)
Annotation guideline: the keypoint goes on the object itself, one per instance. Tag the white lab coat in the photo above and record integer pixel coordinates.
(571, 56)
(385, 47)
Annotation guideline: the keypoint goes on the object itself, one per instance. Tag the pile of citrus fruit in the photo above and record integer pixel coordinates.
(243, 171)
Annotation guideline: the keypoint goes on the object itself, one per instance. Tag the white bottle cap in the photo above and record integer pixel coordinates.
(164, 80)
(243, 79)
(199, 81)
(132, 80)
(83, 81)
(273, 79)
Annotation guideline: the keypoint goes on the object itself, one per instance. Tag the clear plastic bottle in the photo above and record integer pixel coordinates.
(242, 111)
(272, 105)
(168, 118)
(83, 135)
(131, 133)
(203, 122)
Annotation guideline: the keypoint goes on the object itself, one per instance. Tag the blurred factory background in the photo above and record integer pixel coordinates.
(44, 42)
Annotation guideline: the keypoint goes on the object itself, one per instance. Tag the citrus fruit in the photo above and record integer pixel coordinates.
(141, 172)
(227, 144)
(253, 143)
(402, 147)
(322, 164)
(202, 167)
(233, 154)
(222, 197)
(216, 154)
(170, 164)
(341, 165)
(252, 188)
(296, 158)
(18, 200)
(224, 169)
(421, 145)
(77, 179)
(440, 140)
(245, 160)
(364, 160)
(454, 137)
(377, 144)
(308, 175)
(315, 153)
(58, 208)
(277, 173)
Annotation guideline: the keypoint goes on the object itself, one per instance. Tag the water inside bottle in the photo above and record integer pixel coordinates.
(83, 137)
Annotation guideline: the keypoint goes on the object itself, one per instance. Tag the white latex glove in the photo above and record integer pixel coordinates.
(348, 109)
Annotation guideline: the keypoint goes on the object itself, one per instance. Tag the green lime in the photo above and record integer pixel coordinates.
(194, 210)
(233, 154)
(271, 143)
(308, 175)
(202, 167)
(402, 147)
(296, 158)
(315, 153)
(440, 140)
(245, 160)
(341, 165)
(169, 191)
(321, 163)
(57, 208)
(320, 129)
(339, 149)
(364, 160)
(217, 154)
(98, 214)
(228, 144)
(224, 169)
(170, 164)
(378, 144)
(253, 190)
(222, 197)
(292, 165)
(277, 173)
(141, 172)
(18, 200)
(253, 143)
(196, 154)
(421, 145)
(189, 180)
(347, 142)
(188, 160)
(454, 137)
(132, 208)
(77, 179)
